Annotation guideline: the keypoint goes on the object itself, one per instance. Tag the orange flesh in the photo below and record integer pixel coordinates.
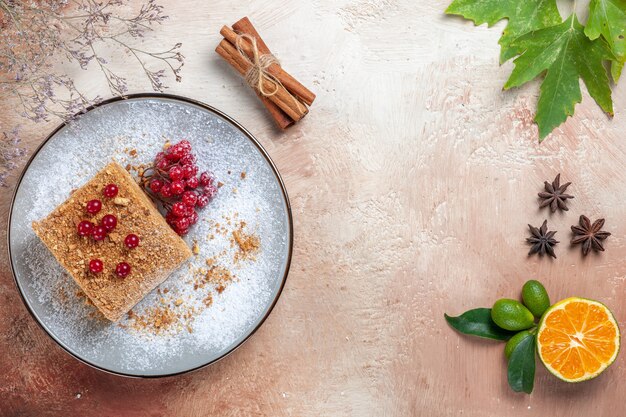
(578, 340)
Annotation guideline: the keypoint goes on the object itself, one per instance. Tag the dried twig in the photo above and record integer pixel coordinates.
(34, 33)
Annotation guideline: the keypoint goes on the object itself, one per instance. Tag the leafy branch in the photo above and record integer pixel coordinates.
(560, 51)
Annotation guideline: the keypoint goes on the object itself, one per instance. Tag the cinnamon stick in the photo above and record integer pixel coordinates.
(282, 98)
(291, 84)
(244, 25)
(280, 117)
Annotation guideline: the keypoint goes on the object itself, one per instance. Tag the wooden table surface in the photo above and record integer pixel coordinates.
(412, 181)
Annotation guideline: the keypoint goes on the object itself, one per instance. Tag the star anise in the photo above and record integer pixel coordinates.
(589, 234)
(541, 240)
(555, 196)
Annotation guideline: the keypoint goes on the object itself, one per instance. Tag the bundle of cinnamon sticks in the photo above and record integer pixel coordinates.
(284, 97)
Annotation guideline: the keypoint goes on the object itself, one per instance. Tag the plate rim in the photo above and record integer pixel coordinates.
(246, 133)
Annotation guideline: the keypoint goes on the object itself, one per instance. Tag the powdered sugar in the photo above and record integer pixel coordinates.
(75, 154)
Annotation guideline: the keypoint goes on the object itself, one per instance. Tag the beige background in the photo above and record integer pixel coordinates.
(412, 181)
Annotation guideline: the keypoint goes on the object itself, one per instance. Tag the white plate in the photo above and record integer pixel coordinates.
(73, 153)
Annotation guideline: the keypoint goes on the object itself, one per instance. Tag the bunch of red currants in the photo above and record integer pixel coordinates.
(174, 180)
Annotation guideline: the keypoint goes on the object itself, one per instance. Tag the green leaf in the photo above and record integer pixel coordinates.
(478, 322)
(566, 55)
(616, 70)
(608, 18)
(521, 369)
(524, 16)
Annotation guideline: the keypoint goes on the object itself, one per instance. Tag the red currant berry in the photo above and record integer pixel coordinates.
(155, 185)
(210, 191)
(203, 200)
(182, 232)
(193, 217)
(122, 269)
(94, 206)
(192, 183)
(163, 164)
(98, 233)
(184, 145)
(166, 191)
(159, 156)
(187, 171)
(170, 218)
(110, 191)
(182, 223)
(189, 198)
(205, 179)
(109, 222)
(179, 209)
(96, 266)
(175, 173)
(187, 159)
(174, 153)
(178, 187)
(131, 241)
(84, 228)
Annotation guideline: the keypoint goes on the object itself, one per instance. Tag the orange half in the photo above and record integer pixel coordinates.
(577, 339)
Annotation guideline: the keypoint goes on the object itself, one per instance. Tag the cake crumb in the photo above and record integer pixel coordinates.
(208, 300)
(220, 275)
(243, 175)
(121, 201)
(156, 319)
(248, 245)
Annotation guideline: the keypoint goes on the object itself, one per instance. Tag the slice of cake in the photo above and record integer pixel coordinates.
(113, 241)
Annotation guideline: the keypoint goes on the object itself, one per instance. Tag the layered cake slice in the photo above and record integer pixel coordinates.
(113, 241)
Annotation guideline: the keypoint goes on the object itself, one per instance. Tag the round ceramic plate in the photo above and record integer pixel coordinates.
(189, 321)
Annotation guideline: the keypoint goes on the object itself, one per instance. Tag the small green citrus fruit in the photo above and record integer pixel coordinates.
(513, 342)
(535, 297)
(511, 315)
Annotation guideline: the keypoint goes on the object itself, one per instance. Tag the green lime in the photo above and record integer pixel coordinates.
(511, 315)
(535, 297)
(514, 341)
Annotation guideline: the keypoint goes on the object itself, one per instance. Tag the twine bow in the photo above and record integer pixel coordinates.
(259, 69)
